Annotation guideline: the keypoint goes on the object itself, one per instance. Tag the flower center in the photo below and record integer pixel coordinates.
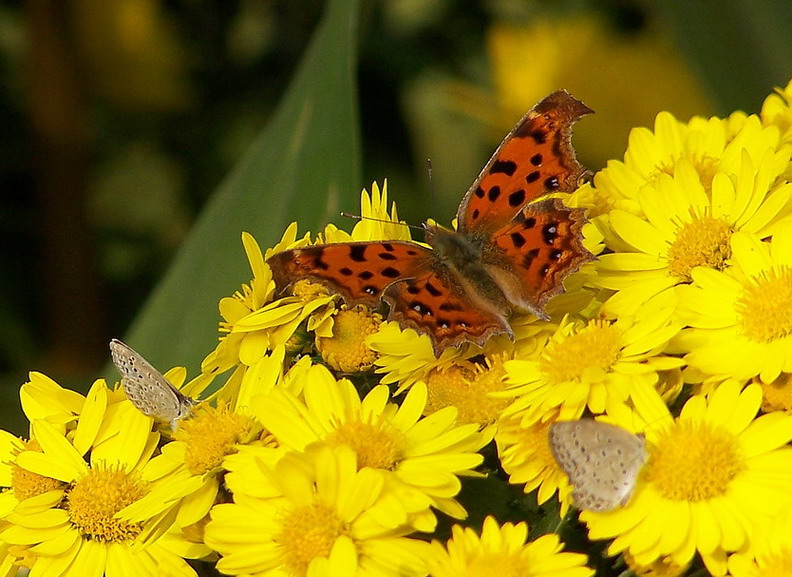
(694, 462)
(307, 290)
(702, 242)
(595, 346)
(211, 434)
(346, 350)
(376, 446)
(766, 306)
(26, 484)
(468, 389)
(777, 395)
(94, 500)
(308, 533)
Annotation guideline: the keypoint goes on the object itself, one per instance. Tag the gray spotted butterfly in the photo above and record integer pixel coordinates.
(601, 460)
(147, 388)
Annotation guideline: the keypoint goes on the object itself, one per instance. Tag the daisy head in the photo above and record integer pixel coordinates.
(713, 475)
(322, 515)
(525, 455)
(421, 455)
(503, 550)
(740, 320)
(593, 365)
(686, 223)
(70, 526)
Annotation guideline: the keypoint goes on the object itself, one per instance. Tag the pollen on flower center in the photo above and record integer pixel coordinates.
(308, 290)
(468, 389)
(94, 500)
(777, 395)
(766, 307)
(694, 462)
(702, 242)
(211, 434)
(378, 447)
(346, 350)
(308, 533)
(596, 345)
(26, 484)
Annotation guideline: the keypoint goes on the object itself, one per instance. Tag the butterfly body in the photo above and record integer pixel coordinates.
(602, 461)
(147, 388)
(511, 249)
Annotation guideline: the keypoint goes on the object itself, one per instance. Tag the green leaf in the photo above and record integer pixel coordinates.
(304, 166)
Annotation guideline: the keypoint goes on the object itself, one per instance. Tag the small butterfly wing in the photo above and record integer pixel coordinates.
(602, 461)
(535, 158)
(432, 301)
(147, 389)
(358, 271)
(532, 256)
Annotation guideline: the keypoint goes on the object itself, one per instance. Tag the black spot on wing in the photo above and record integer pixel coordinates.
(550, 232)
(518, 240)
(357, 252)
(390, 272)
(517, 198)
(433, 290)
(506, 167)
(529, 257)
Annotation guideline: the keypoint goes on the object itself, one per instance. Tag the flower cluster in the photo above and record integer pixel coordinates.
(341, 443)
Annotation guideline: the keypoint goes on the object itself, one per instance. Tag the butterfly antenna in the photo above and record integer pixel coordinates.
(432, 195)
(371, 218)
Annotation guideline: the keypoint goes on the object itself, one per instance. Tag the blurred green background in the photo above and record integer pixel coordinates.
(140, 137)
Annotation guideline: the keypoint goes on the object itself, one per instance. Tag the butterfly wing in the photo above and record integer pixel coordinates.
(530, 257)
(535, 158)
(147, 389)
(358, 271)
(422, 293)
(434, 301)
(602, 461)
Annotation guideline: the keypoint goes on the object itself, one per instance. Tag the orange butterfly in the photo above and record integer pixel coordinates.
(507, 253)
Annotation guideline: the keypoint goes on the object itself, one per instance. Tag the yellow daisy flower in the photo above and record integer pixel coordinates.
(346, 350)
(322, 515)
(254, 323)
(184, 480)
(710, 146)
(525, 455)
(503, 550)
(770, 552)
(43, 398)
(594, 365)
(714, 475)
(404, 357)
(71, 529)
(741, 320)
(685, 225)
(422, 456)
(468, 387)
(777, 111)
